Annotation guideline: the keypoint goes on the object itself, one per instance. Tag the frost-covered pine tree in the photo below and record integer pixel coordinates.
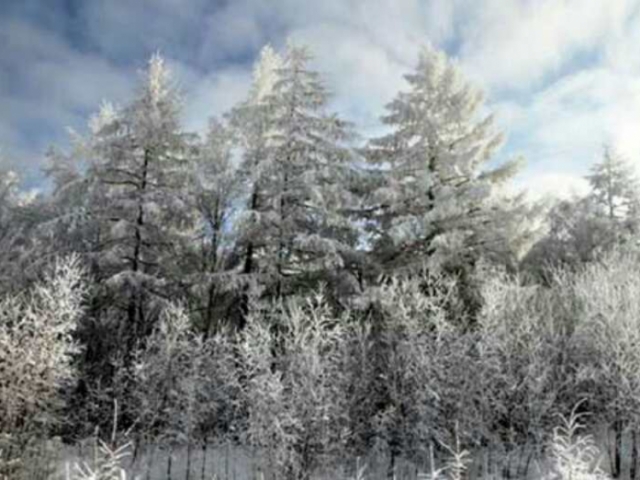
(251, 122)
(139, 159)
(439, 201)
(9, 228)
(71, 222)
(301, 171)
(8, 199)
(615, 191)
(22, 253)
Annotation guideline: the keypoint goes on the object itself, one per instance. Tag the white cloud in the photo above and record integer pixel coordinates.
(213, 95)
(552, 185)
(565, 126)
(515, 44)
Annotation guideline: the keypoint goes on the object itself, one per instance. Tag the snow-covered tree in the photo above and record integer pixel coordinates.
(440, 199)
(71, 222)
(300, 165)
(10, 229)
(252, 120)
(615, 191)
(139, 157)
(8, 200)
(21, 250)
(252, 124)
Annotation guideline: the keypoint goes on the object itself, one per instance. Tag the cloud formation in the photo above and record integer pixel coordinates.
(561, 76)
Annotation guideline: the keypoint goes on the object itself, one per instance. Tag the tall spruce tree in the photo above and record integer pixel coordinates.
(615, 191)
(440, 200)
(13, 243)
(139, 159)
(252, 121)
(294, 220)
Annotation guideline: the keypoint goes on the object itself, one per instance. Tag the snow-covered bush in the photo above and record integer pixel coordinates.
(519, 363)
(186, 389)
(606, 324)
(36, 355)
(292, 355)
(575, 456)
(411, 373)
(167, 376)
(106, 465)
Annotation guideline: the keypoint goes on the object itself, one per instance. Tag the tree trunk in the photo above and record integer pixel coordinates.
(204, 459)
(151, 454)
(134, 310)
(618, 450)
(188, 475)
(506, 469)
(633, 469)
(226, 462)
(209, 314)
(391, 467)
(528, 464)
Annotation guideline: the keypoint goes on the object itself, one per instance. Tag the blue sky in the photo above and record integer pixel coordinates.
(561, 76)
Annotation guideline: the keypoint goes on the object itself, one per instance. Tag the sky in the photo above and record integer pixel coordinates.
(561, 76)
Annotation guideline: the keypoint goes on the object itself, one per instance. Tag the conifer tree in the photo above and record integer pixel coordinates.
(139, 163)
(300, 178)
(615, 191)
(20, 213)
(9, 227)
(252, 122)
(440, 200)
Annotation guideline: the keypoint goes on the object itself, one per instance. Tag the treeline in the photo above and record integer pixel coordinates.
(281, 285)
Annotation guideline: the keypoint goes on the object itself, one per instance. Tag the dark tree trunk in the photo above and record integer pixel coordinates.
(209, 327)
(204, 459)
(633, 469)
(618, 450)
(135, 309)
(391, 467)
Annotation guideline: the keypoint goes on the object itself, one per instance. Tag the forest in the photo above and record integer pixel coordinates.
(303, 302)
